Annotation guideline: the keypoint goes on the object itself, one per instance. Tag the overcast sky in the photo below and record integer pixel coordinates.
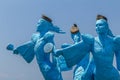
(18, 19)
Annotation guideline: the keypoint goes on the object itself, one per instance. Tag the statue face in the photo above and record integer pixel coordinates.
(43, 26)
(101, 26)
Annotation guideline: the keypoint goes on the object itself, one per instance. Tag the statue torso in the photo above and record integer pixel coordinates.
(103, 53)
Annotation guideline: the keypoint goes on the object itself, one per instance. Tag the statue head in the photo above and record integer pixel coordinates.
(75, 34)
(45, 24)
(102, 26)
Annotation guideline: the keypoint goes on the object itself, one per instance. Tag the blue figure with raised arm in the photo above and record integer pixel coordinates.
(84, 69)
(41, 45)
(103, 47)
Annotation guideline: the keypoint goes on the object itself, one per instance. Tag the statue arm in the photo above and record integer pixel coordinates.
(26, 50)
(117, 51)
(74, 53)
(65, 45)
(117, 43)
(117, 54)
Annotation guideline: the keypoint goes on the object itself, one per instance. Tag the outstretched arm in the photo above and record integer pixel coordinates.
(65, 45)
(26, 50)
(74, 53)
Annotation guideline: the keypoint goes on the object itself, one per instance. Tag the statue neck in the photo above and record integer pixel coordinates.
(102, 37)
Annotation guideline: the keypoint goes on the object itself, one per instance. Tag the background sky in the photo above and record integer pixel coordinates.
(18, 19)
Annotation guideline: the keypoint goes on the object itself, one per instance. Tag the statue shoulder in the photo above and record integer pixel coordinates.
(87, 38)
(35, 37)
(116, 40)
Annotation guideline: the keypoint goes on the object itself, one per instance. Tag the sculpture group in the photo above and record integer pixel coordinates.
(92, 56)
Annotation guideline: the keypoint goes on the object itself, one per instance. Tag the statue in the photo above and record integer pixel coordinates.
(84, 70)
(41, 45)
(103, 47)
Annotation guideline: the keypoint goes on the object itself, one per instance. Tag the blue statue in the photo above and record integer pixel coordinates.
(41, 45)
(43, 48)
(84, 69)
(102, 48)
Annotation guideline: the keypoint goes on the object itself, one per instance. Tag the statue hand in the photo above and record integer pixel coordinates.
(10, 47)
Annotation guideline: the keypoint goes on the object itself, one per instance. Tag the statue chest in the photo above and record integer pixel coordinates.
(103, 49)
